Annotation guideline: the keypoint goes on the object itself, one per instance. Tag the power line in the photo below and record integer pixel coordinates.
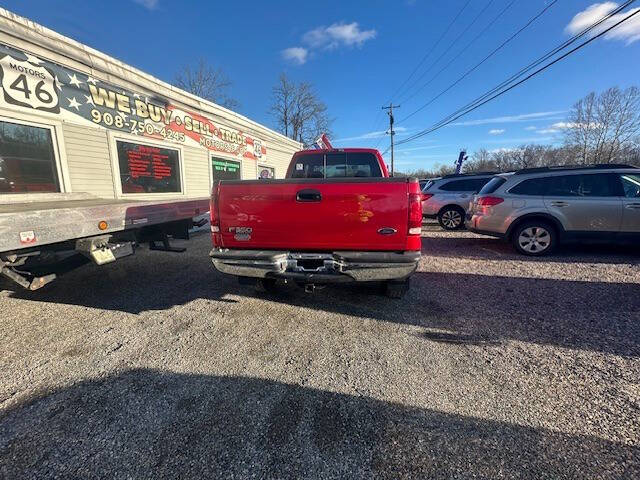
(417, 67)
(463, 31)
(430, 51)
(491, 54)
(441, 124)
(537, 62)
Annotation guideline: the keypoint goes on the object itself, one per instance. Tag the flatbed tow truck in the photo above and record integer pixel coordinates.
(42, 239)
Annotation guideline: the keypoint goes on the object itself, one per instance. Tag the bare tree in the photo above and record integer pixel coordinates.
(283, 95)
(298, 112)
(206, 82)
(601, 126)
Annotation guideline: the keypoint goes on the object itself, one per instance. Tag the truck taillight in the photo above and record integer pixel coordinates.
(214, 216)
(415, 214)
(489, 201)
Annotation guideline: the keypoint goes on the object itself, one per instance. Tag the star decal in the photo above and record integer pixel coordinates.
(124, 117)
(34, 60)
(73, 103)
(89, 99)
(59, 84)
(73, 80)
(90, 79)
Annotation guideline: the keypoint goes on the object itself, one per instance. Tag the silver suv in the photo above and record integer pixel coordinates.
(447, 198)
(537, 208)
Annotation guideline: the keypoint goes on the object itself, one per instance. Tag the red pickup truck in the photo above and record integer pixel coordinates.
(336, 217)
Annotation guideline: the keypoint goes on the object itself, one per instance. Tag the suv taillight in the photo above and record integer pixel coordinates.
(415, 214)
(490, 201)
(426, 196)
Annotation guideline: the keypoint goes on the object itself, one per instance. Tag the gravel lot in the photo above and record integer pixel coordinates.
(494, 366)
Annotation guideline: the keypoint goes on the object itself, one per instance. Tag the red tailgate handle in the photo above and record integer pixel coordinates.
(308, 195)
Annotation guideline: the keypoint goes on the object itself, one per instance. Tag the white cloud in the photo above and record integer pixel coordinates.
(628, 31)
(545, 131)
(496, 131)
(148, 4)
(531, 128)
(517, 141)
(504, 150)
(415, 149)
(297, 55)
(338, 35)
(565, 125)
(512, 118)
(370, 135)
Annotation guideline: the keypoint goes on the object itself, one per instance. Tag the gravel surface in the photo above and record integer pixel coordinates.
(493, 366)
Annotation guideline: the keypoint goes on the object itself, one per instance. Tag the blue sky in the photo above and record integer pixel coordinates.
(357, 54)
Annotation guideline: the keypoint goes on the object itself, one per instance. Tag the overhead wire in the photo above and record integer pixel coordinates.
(451, 45)
(487, 57)
(540, 60)
(443, 123)
(431, 50)
(417, 67)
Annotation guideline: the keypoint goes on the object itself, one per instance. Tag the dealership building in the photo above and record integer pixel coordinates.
(73, 119)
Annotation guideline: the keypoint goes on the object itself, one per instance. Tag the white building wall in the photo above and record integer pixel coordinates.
(87, 153)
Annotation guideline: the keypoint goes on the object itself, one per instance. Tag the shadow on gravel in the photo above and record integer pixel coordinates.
(487, 248)
(154, 424)
(147, 281)
(472, 309)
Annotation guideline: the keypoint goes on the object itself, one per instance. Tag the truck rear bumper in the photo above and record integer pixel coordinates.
(331, 267)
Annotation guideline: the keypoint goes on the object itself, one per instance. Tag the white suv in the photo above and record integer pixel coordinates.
(447, 198)
(537, 208)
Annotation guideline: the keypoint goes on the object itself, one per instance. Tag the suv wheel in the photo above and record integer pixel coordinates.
(451, 218)
(534, 238)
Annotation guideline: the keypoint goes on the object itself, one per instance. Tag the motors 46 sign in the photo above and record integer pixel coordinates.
(28, 85)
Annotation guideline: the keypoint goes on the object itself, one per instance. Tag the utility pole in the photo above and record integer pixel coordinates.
(391, 132)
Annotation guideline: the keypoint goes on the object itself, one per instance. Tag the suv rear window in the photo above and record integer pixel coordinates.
(492, 185)
(465, 185)
(533, 186)
(427, 185)
(578, 185)
(339, 164)
(587, 185)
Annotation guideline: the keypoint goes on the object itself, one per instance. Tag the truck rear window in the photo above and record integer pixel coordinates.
(336, 165)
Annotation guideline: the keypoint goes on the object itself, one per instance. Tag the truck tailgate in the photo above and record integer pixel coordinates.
(349, 214)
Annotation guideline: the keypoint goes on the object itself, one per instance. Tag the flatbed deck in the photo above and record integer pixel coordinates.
(31, 224)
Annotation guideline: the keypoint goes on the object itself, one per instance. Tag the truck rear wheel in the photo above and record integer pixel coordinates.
(397, 289)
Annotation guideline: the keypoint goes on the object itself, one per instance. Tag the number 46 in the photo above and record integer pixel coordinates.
(20, 84)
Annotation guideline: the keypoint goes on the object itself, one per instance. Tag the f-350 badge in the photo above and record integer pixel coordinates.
(242, 234)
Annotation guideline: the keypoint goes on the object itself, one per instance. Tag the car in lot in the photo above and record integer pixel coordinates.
(538, 208)
(447, 198)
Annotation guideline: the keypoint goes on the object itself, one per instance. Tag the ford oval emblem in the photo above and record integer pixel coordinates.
(387, 231)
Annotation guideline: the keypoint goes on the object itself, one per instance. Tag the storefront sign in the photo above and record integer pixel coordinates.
(32, 83)
(225, 169)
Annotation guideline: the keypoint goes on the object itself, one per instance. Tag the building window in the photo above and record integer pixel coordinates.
(265, 172)
(225, 169)
(27, 159)
(148, 169)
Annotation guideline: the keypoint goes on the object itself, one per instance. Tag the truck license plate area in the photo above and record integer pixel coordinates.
(311, 262)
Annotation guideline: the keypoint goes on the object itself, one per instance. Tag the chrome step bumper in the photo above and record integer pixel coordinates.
(331, 267)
